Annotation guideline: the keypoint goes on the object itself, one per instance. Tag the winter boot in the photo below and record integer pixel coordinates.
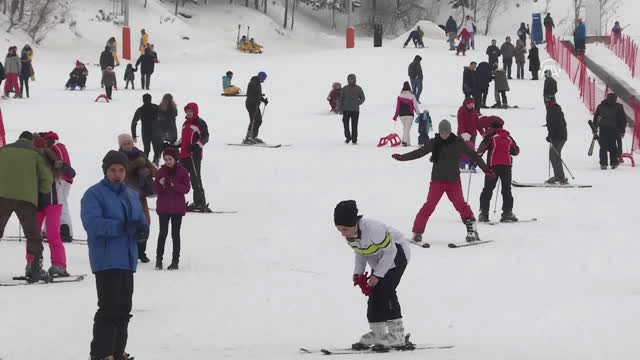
(613, 166)
(472, 232)
(258, 140)
(373, 337)
(158, 263)
(395, 337)
(603, 167)
(564, 181)
(34, 271)
(551, 180)
(417, 237)
(125, 356)
(483, 217)
(508, 217)
(143, 257)
(65, 233)
(248, 141)
(58, 271)
(174, 264)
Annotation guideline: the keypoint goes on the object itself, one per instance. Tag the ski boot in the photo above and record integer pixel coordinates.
(35, 273)
(173, 266)
(395, 337)
(564, 181)
(614, 166)
(551, 180)
(417, 237)
(483, 217)
(508, 217)
(258, 140)
(603, 167)
(65, 233)
(496, 106)
(58, 271)
(373, 337)
(249, 141)
(472, 232)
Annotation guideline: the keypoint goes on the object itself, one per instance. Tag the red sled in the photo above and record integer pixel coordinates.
(102, 96)
(393, 139)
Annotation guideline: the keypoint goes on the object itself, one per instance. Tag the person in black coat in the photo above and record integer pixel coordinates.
(469, 81)
(254, 98)
(523, 31)
(611, 121)
(534, 61)
(147, 62)
(484, 77)
(106, 59)
(550, 87)
(493, 52)
(556, 137)
(148, 115)
(452, 30)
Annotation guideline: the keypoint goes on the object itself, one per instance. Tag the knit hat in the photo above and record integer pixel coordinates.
(171, 151)
(406, 86)
(26, 135)
(51, 136)
(346, 213)
(496, 122)
(444, 126)
(114, 157)
(122, 138)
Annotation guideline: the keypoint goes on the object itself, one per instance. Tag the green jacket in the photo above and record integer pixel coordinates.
(23, 172)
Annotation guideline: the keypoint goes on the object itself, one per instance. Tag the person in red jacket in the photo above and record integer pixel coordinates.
(468, 126)
(195, 135)
(464, 38)
(171, 185)
(500, 147)
(484, 123)
(334, 97)
(64, 185)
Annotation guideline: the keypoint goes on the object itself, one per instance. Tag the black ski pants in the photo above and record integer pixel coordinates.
(126, 85)
(109, 91)
(423, 136)
(255, 120)
(353, 116)
(608, 141)
(176, 223)
(145, 81)
(383, 302)
(506, 65)
(483, 97)
(157, 141)
(193, 166)
(503, 173)
(555, 156)
(24, 85)
(110, 324)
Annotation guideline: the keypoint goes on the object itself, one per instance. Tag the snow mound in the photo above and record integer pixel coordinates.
(431, 31)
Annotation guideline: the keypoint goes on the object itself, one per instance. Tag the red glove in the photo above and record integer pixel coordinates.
(398, 157)
(361, 281)
(490, 173)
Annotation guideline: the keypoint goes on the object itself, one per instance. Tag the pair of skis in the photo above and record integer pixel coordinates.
(426, 245)
(375, 349)
(22, 280)
(547, 185)
(271, 146)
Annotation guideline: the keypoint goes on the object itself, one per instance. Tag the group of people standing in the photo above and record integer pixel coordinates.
(17, 71)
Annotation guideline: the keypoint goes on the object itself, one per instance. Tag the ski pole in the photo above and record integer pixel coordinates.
(563, 163)
(495, 206)
(469, 187)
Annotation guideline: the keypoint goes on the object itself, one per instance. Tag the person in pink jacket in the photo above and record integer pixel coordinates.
(406, 106)
(171, 184)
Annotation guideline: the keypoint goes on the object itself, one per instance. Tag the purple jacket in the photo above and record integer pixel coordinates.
(171, 199)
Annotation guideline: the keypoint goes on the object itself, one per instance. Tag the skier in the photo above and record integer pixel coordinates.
(424, 127)
(63, 185)
(147, 66)
(500, 147)
(548, 26)
(109, 81)
(106, 58)
(386, 251)
(469, 82)
(23, 174)
(580, 36)
(556, 137)
(26, 72)
(464, 38)
(195, 135)
(227, 88)
(130, 76)
(415, 76)
(334, 97)
(12, 67)
(483, 78)
(171, 184)
(50, 208)
(406, 106)
(112, 44)
(254, 98)
(452, 30)
(167, 113)
(493, 52)
(468, 127)
(616, 33)
(446, 149)
(523, 31)
(487, 123)
(351, 98)
(550, 87)
(148, 115)
(611, 121)
(114, 220)
(470, 25)
(520, 52)
(77, 77)
(508, 51)
(534, 61)
(501, 86)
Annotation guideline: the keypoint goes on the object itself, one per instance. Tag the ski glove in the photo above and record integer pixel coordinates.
(398, 157)
(548, 139)
(361, 281)
(265, 101)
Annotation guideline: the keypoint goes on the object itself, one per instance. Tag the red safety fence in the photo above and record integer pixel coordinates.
(626, 49)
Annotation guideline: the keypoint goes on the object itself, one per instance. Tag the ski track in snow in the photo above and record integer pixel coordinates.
(277, 276)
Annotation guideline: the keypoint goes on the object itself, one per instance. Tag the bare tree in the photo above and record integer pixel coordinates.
(576, 6)
(176, 13)
(608, 9)
(12, 15)
(21, 15)
(286, 12)
(493, 7)
(255, 4)
(293, 13)
(42, 16)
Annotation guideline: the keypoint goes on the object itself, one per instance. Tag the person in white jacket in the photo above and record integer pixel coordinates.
(406, 106)
(386, 251)
(470, 25)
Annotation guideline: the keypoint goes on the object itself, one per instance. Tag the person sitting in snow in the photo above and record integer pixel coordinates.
(257, 48)
(464, 38)
(334, 97)
(77, 77)
(227, 88)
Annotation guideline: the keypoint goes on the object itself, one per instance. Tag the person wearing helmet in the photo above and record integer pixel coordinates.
(254, 98)
(351, 98)
(227, 88)
(550, 87)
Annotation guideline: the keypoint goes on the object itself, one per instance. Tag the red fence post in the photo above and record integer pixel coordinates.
(351, 37)
(126, 43)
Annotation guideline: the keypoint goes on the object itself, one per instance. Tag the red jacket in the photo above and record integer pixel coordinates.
(468, 120)
(464, 35)
(194, 132)
(484, 123)
(171, 199)
(501, 147)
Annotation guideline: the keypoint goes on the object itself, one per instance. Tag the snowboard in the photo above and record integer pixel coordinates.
(544, 185)
(271, 146)
(466, 244)
(22, 280)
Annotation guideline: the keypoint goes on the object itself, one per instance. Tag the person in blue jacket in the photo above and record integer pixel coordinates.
(113, 218)
(580, 37)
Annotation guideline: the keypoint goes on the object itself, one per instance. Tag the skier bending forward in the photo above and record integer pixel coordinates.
(386, 250)
(445, 149)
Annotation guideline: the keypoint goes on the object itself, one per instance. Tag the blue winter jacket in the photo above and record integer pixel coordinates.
(581, 32)
(226, 82)
(105, 210)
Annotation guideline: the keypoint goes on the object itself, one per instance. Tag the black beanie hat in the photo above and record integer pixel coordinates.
(346, 213)
(114, 157)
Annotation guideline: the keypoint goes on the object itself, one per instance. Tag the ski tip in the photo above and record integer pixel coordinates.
(305, 351)
(325, 352)
(426, 245)
(452, 246)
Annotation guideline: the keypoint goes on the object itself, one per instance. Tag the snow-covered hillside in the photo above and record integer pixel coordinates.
(276, 276)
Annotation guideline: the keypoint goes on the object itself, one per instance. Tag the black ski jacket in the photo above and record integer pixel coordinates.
(254, 92)
(556, 124)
